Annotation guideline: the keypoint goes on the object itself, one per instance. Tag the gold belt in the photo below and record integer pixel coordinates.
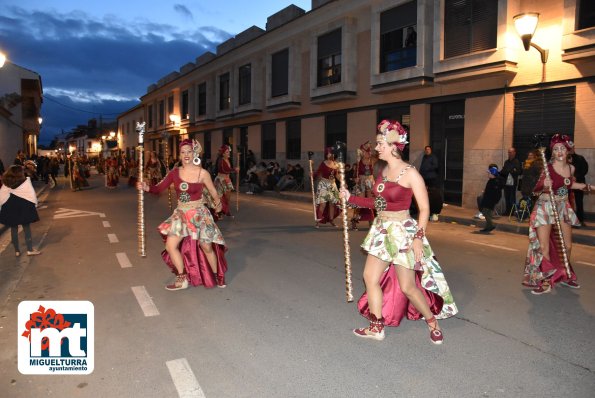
(401, 215)
(190, 205)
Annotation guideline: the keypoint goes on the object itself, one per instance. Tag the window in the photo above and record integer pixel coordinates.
(280, 73)
(228, 137)
(469, 26)
(202, 99)
(150, 116)
(335, 129)
(185, 114)
(293, 144)
(329, 58)
(170, 104)
(245, 85)
(586, 14)
(398, 37)
(542, 112)
(269, 141)
(161, 113)
(224, 98)
(207, 146)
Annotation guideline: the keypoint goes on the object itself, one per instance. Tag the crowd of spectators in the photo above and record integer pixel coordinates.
(267, 177)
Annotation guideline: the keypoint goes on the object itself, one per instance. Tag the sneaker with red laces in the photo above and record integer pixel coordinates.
(375, 331)
(180, 283)
(543, 289)
(221, 282)
(571, 284)
(436, 336)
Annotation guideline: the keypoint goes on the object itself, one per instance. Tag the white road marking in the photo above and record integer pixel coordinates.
(112, 238)
(123, 260)
(494, 246)
(184, 379)
(70, 213)
(269, 203)
(145, 301)
(106, 224)
(585, 263)
(304, 210)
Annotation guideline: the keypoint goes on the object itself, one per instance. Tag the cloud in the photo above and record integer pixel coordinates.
(99, 61)
(184, 11)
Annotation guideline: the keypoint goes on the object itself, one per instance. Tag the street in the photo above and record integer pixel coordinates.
(282, 327)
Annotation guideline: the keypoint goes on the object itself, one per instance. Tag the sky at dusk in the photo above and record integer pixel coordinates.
(98, 57)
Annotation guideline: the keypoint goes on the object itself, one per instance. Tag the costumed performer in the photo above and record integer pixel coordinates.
(327, 193)
(223, 182)
(544, 267)
(402, 275)
(194, 245)
(364, 182)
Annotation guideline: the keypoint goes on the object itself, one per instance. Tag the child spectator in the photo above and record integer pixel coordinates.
(491, 196)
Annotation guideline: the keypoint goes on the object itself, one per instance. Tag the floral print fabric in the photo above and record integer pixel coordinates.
(194, 222)
(391, 241)
(327, 191)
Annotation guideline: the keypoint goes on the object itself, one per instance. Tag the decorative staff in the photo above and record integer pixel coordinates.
(165, 135)
(340, 148)
(238, 182)
(140, 128)
(539, 139)
(311, 163)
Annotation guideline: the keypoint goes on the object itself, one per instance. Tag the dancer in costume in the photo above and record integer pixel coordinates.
(194, 246)
(364, 182)
(327, 194)
(153, 169)
(132, 173)
(78, 174)
(223, 182)
(544, 266)
(402, 275)
(111, 173)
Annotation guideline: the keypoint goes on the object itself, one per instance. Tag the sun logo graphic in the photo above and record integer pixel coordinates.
(56, 337)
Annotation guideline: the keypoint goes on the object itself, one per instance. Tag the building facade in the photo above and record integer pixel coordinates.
(127, 135)
(21, 95)
(455, 73)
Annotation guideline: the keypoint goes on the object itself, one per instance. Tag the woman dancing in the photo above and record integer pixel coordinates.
(153, 169)
(543, 265)
(223, 182)
(327, 194)
(194, 246)
(401, 274)
(364, 181)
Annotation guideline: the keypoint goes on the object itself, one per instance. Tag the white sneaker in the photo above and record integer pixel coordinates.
(249, 193)
(434, 217)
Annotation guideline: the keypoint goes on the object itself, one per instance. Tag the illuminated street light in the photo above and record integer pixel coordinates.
(2, 59)
(525, 25)
(40, 120)
(175, 119)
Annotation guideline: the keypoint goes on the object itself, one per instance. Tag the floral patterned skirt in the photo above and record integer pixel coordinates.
(223, 185)
(537, 268)
(194, 221)
(327, 191)
(391, 241)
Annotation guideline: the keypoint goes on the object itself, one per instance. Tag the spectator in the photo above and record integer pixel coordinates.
(429, 167)
(491, 195)
(581, 168)
(532, 169)
(510, 173)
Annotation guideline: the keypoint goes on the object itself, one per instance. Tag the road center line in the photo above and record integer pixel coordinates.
(494, 246)
(123, 260)
(585, 263)
(184, 379)
(145, 301)
(112, 238)
(106, 224)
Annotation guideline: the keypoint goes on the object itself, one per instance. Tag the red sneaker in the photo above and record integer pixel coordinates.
(436, 336)
(180, 283)
(543, 289)
(221, 282)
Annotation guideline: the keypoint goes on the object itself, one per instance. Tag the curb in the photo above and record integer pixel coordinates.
(520, 229)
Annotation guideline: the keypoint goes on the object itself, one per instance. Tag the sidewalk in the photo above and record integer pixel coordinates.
(463, 216)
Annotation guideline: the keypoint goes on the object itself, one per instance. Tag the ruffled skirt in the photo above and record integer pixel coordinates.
(196, 225)
(538, 268)
(391, 241)
(223, 185)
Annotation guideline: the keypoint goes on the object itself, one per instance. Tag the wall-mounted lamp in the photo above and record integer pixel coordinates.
(174, 119)
(112, 134)
(40, 120)
(525, 25)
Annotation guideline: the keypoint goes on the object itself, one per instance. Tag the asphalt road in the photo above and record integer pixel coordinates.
(282, 327)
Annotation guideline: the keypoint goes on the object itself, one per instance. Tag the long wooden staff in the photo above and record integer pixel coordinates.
(556, 215)
(238, 185)
(140, 128)
(311, 163)
(71, 176)
(346, 248)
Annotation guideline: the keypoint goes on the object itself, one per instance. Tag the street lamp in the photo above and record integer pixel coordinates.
(526, 24)
(2, 59)
(174, 119)
(40, 120)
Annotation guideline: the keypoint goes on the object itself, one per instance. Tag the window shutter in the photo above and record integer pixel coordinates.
(398, 17)
(469, 26)
(329, 44)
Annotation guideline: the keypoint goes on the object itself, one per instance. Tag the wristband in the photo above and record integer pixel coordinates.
(420, 234)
